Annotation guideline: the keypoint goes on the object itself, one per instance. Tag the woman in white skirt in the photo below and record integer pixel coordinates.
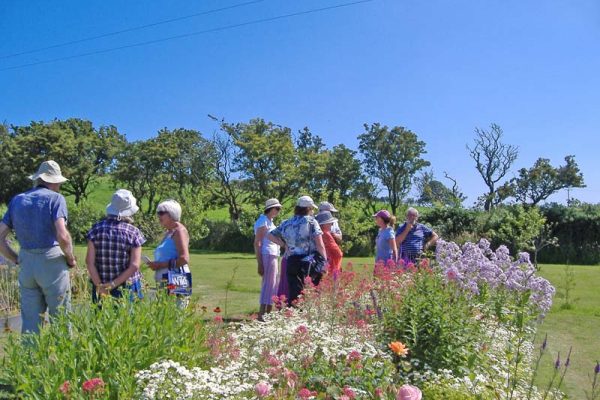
(267, 256)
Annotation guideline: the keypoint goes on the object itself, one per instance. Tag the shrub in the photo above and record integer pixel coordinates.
(578, 231)
(514, 226)
(452, 223)
(436, 322)
(226, 236)
(150, 227)
(81, 218)
(108, 343)
(359, 232)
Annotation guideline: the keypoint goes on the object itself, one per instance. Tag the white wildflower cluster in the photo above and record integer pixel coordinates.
(287, 338)
(496, 373)
(170, 380)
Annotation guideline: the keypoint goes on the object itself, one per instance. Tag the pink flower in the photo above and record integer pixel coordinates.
(354, 356)
(65, 387)
(344, 397)
(262, 389)
(218, 319)
(306, 394)
(349, 393)
(273, 361)
(93, 385)
(379, 393)
(302, 330)
(409, 392)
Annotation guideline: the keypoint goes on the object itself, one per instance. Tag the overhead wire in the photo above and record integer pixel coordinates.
(132, 29)
(186, 35)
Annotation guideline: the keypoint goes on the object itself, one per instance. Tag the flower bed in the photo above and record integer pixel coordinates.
(461, 328)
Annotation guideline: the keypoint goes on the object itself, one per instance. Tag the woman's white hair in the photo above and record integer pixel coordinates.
(412, 210)
(171, 207)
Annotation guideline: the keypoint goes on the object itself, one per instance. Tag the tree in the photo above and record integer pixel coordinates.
(187, 159)
(174, 162)
(227, 188)
(139, 168)
(342, 173)
(542, 180)
(83, 152)
(433, 192)
(393, 157)
(493, 160)
(267, 159)
(312, 157)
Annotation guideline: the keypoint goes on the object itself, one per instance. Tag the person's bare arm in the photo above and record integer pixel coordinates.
(5, 249)
(337, 237)
(182, 244)
(135, 258)
(392, 243)
(431, 242)
(64, 240)
(400, 238)
(320, 246)
(90, 262)
(258, 242)
(275, 239)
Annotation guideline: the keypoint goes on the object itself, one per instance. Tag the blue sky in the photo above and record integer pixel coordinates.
(439, 68)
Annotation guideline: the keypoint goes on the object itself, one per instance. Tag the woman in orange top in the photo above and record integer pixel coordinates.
(334, 253)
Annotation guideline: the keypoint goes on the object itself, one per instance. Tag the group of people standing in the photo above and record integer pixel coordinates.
(312, 246)
(114, 248)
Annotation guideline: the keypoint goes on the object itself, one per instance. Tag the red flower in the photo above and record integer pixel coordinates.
(306, 394)
(217, 310)
(349, 392)
(65, 387)
(93, 385)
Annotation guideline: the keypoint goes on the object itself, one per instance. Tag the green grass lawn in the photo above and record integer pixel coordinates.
(577, 327)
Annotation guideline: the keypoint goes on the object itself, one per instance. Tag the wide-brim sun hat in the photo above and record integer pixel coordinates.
(325, 217)
(384, 214)
(272, 203)
(306, 201)
(49, 171)
(327, 206)
(123, 204)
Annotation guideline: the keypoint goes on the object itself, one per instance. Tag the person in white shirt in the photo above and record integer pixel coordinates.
(267, 256)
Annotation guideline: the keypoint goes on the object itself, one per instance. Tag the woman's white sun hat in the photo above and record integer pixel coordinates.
(306, 201)
(49, 171)
(272, 203)
(123, 204)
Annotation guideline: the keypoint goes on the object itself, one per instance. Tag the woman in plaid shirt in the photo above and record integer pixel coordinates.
(115, 249)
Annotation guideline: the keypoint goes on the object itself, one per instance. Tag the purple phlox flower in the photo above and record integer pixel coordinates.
(524, 257)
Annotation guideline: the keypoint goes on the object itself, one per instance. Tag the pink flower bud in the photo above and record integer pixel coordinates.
(262, 389)
(409, 392)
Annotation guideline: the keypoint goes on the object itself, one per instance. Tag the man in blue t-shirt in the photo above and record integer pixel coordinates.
(38, 218)
(412, 238)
